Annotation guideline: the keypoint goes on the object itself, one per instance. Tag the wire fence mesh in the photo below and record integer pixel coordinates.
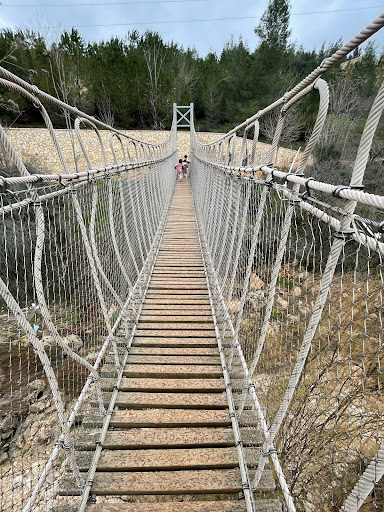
(76, 254)
(296, 279)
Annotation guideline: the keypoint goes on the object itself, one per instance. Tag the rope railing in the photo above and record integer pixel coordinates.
(77, 249)
(295, 273)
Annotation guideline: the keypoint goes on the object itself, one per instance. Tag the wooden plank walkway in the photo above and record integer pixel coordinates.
(172, 430)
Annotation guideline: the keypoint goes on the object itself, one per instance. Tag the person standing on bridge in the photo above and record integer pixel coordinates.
(179, 168)
(185, 164)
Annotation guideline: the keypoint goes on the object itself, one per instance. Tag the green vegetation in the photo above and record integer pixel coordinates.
(132, 82)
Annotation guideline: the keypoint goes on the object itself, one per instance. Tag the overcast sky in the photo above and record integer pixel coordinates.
(202, 24)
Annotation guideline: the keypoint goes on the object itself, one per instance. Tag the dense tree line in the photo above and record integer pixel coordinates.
(132, 82)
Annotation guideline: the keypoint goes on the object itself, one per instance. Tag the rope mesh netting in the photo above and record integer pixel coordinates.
(76, 255)
(296, 281)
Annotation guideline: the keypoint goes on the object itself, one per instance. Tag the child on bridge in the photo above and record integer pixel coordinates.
(179, 168)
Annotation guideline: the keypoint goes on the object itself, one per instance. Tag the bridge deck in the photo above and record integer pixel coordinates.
(172, 430)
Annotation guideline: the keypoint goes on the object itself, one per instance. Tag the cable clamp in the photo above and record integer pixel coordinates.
(232, 415)
(380, 227)
(270, 181)
(307, 192)
(92, 500)
(99, 443)
(294, 200)
(336, 192)
(269, 452)
(344, 235)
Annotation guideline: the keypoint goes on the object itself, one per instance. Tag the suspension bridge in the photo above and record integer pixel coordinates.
(208, 345)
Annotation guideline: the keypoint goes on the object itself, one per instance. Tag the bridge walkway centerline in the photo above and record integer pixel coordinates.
(172, 435)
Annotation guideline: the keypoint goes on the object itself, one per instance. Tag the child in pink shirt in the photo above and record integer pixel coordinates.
(179, 168)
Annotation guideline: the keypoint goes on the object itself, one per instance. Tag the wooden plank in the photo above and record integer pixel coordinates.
(172, 326)
(170, 418)
(175, 293)
(176, 333)
(149, 341)
(177, 359)
(211, 481)
(185, 300)
(166, 385)
(186, 287)
(173, 371)
(160, 438)
(164, 459)
(144, 400)
(184, 351)
(162, 312)
(188, 309)
(188, 506)
(160, 318)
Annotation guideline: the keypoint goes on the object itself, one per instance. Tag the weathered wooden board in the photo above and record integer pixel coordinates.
(166, 385)
(160, 438)
(176, 359)
(188, 506)
(176, 333)
(213, 481)
(162, 351)
(173, 371)
(146, 400)
(164, 459)
(150, 341)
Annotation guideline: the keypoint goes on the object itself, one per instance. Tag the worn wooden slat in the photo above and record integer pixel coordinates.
(144, 400)
(188, 506)
(135, 438)
(211, 481)
(171, 385)
(171, 418)
(173, 371)
(162, 312)
(166, 326)
(177, 293)
(165, 459)
(168, 359)
(170, 301)
(165, 309)
(179, 333)
(169, 351)
(150, 341)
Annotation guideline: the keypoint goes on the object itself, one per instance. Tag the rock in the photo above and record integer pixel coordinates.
(234, 306)
(4, 457)
(48, 342)
(8, 422)
(256, 299)
(255, 283)
(37, 407)
(345, 296)
(26, 447)
(373, 316)
(297, 292)
(37, 385)
(293, 319)
(7, 434)
(283, 304)
(74, 342)
(301, 276)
